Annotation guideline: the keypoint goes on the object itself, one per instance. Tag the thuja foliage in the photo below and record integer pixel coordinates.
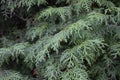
(60, 39)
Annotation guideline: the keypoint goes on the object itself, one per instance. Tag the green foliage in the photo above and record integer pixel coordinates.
(12, 75)
(52, 13)
(62, 39)
(76, 73)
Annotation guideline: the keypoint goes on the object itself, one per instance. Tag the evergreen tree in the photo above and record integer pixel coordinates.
(59, 39)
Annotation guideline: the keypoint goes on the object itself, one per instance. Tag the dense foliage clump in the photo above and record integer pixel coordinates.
(59, 39)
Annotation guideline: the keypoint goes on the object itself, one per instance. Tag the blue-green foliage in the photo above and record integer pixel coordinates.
(68, 40)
